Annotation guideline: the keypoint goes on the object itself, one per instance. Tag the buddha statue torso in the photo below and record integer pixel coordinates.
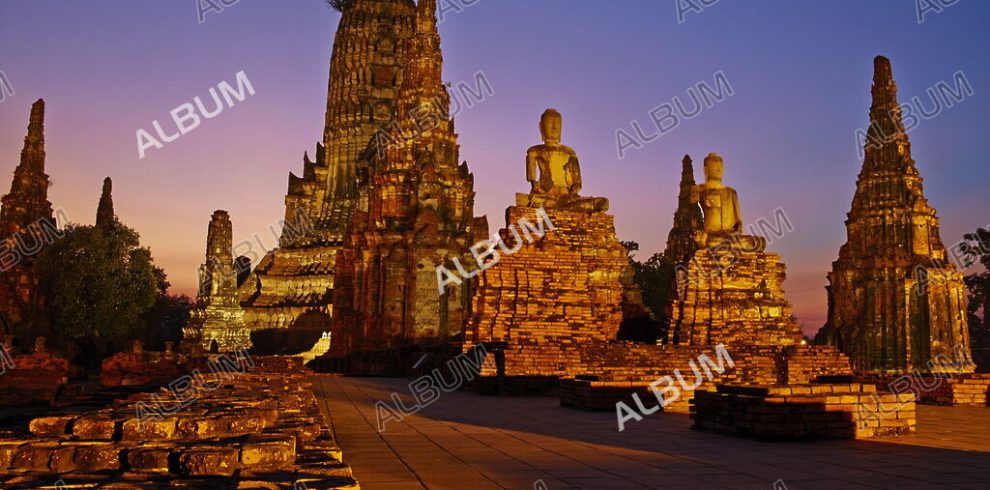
(557, 166)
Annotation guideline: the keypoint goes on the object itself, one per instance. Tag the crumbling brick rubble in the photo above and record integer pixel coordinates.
(260, 429)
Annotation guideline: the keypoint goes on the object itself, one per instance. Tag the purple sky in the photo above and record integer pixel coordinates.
(800, 72)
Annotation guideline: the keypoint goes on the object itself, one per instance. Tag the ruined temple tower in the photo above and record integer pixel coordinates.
(104, 212)
(291, 286)
(415, 214)
(731, 289)
(217, 323)
(895, 302)
(687, 218)
(26, 222)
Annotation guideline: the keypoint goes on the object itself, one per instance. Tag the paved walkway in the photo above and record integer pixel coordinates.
(465, 441)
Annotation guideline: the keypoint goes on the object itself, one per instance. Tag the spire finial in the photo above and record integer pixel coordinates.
(36, 126)
(882, 71)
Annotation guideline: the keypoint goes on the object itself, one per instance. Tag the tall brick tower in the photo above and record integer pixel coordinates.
(895, 302)
(26, 225)
(291, 286)
(418, 215)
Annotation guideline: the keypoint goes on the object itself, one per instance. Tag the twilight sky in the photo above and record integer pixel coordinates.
(800, 72)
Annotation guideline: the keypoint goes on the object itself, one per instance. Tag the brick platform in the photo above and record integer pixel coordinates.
(35, 380)
(967, 390)
(961, 390)
(258, 430)
(625, 369)
(826, 411)
(596, 395)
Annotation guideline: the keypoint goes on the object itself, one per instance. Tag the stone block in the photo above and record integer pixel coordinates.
(208, 461)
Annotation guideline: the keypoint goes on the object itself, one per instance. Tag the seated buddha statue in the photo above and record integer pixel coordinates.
(720, 207)
(554, 172)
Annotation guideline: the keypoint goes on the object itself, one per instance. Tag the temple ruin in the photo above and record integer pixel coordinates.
(730, 290)
(415, 213)
(26, 220)
(217, 322)
(291, 286)
(896, 303)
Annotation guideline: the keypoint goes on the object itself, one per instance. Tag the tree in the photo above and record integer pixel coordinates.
(98, 282)
(164, 321)
(976, 249)
(655, 278)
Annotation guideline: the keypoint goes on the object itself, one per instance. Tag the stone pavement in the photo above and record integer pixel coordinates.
(474, 442)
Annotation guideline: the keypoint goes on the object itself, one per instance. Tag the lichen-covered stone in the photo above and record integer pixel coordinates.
(51, 426)
(149, 459)
(94, 427)
(268, 451)
(98, 457)
(208, 461)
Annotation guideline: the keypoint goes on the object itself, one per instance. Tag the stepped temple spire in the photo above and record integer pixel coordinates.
(216, 324)
(26, 223)
(895, 302)
(104, 212)
(27, 201)
(687, 218)
(417, 214)
(291, 286)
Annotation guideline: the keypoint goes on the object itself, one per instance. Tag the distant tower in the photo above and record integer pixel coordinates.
(26, 225)
(104, 212)
(27, 201)
(895, 302)
(217, 322)
(681, 243)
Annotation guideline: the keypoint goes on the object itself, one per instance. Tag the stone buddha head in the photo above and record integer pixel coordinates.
(550, 126)
(713, 168)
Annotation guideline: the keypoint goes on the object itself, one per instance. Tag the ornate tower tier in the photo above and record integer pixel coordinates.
(895, 302)
(416, 213)
(291, 286)
(217, 322)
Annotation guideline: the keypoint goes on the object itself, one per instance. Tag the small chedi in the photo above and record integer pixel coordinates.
(731, 289)
(896, 304)
(217, 322)
(291, 286)
(416, 213)
(26, 225)
(566, 283)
